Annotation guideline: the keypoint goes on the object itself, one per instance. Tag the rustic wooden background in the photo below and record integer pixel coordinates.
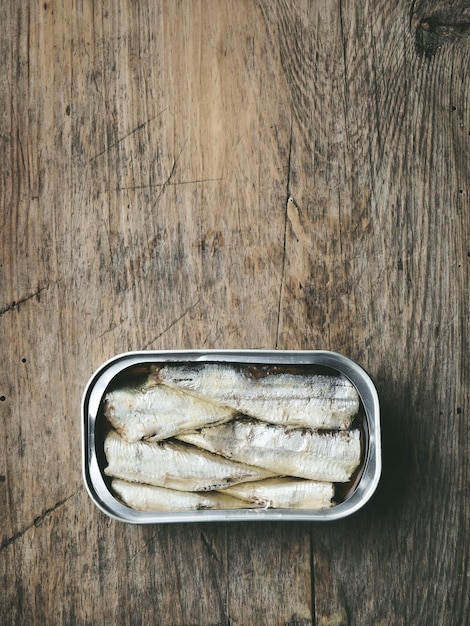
(235, 174)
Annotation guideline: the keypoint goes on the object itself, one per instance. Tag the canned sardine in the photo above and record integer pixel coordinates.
(225, 435)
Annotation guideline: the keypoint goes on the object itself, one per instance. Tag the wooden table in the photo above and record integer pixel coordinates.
(235, 174)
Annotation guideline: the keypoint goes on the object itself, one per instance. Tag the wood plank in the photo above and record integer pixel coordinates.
(386, 221)
(268, 574)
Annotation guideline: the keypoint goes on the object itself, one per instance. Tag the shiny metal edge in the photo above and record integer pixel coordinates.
(109, 505)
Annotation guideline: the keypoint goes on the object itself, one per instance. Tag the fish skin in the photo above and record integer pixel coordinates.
(174, 465)
(159, 499)
(285, 493)
(302, 400)
(159, 412)
(304, 453)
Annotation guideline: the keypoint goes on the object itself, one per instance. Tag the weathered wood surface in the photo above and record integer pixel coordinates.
(219, 174)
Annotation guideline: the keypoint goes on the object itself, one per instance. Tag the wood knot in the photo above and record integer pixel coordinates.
(435, 31)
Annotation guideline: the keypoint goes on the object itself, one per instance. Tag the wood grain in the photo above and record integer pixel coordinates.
(212, 174)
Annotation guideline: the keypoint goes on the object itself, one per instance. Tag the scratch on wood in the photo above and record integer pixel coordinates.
(111, 328)
(170, 326)
(171, 174)
(37, 521)
(144, 546)
(168, 182)
(23, 160)
(131, 132)
(210, 547)
(16, 303)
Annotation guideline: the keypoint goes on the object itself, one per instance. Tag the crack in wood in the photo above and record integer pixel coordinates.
(284, 244)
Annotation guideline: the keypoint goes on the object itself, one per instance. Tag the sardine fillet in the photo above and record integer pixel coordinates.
(159, 412)
(330, 457)
(285, 493)
(151, 498)
(303, 400)
(174, 465)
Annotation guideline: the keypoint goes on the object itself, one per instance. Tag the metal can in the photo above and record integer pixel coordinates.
(354, 495)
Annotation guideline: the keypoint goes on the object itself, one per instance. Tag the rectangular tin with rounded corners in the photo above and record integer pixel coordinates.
(93, 461)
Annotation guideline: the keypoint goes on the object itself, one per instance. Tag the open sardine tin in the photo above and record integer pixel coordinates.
(352, 496)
